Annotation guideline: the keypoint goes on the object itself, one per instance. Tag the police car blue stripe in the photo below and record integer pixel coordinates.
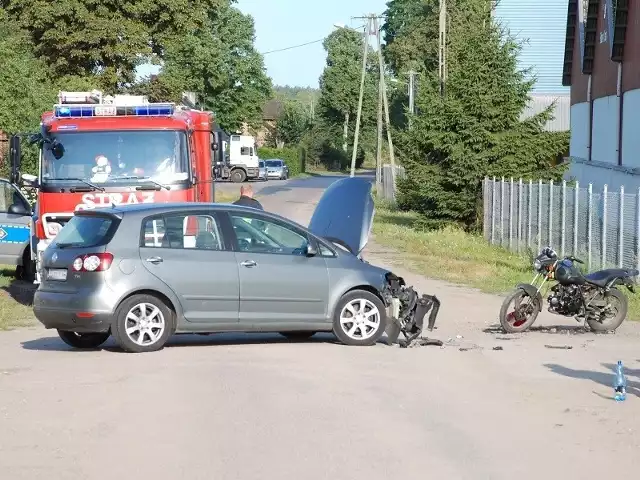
(14, 233)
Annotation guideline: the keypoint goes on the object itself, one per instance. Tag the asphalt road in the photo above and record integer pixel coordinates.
(259, 407)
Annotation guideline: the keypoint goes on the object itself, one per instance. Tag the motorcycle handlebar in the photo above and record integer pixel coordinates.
(574, 259)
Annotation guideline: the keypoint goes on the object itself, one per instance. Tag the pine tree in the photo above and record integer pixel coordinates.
(473, 130)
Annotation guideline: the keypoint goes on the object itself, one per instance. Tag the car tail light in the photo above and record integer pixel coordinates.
(92, 262)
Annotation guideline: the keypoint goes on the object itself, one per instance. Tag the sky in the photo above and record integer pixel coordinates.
(285, 23)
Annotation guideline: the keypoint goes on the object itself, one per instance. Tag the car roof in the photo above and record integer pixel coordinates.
(140, 210)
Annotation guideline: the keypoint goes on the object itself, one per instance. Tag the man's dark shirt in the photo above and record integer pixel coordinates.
(248, 202)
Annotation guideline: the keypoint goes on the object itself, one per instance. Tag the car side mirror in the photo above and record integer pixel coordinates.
(310, 250)
(18, 209)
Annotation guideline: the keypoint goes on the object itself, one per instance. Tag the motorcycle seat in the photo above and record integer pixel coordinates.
(602, 277)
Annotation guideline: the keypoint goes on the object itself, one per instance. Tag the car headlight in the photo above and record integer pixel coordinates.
(537, 264)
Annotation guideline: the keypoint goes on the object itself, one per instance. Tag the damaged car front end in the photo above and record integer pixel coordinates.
(406, 310)
(344, 216)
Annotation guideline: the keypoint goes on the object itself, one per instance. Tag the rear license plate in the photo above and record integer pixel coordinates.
(59, 274)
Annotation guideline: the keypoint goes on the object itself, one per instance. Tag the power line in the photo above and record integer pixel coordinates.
(294, 46)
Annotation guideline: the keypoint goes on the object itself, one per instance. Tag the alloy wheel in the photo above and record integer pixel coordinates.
(145, 324)
(360, 319)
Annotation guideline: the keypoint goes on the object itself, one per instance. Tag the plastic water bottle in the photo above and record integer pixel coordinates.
(620, 384)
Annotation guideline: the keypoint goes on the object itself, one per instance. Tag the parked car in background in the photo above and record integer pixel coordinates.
(15, 230)
(262, 171)
(277, 168)
(141, 273)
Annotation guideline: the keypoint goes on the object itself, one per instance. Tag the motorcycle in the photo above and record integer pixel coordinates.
(594, 297)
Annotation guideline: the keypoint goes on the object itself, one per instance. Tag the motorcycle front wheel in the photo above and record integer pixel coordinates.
(521, 316)
(613, 317)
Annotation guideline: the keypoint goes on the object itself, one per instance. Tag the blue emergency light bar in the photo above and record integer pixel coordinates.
(101, 110)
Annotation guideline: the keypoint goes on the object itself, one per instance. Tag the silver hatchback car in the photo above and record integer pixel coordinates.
(141, 273)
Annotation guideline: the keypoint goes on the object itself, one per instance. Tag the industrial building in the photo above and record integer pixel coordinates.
(602, 69)
(540, 26)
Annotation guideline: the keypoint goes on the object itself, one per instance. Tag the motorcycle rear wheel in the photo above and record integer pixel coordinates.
(522, 316)
(620, 304)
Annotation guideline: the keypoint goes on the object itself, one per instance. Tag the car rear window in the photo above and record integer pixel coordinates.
(86, 231)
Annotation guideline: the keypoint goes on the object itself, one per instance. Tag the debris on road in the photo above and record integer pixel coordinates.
(498, 348)
(473, 346)
(559, 347)
(422, 342)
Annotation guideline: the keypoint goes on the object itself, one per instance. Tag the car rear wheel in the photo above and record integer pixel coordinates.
(143, 323)
(359, 319)
(301, 335)
(83, 340)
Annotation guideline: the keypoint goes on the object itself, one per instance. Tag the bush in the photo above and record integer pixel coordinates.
(294, 157)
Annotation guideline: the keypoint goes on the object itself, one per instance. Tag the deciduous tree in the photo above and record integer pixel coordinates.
(340, 83)
(106, 38)
(291, 125)
(220, 63)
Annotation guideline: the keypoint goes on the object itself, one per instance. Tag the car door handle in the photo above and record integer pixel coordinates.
(154, 260)
(248, 263)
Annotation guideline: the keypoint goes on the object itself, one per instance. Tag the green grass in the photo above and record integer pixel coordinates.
(15, 300)
(225, 197)
(458, 257)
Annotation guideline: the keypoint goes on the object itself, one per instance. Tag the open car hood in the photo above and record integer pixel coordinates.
(345, 213)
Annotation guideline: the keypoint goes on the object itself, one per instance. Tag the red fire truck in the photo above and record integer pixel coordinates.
(98, 150)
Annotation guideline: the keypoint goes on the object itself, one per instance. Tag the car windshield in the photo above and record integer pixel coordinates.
(274, 163)
(115, 157)
(261, 164)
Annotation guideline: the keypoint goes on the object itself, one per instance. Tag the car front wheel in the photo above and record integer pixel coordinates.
(83, 340)
(142, 323)
(359, 319)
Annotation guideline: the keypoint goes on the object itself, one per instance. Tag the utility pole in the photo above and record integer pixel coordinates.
(412, 90)
(442, 46)
(379, 142)
(362, 78)
(373, 28)
(383, 87)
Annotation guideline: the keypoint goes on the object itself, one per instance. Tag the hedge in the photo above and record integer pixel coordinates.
(294, 157)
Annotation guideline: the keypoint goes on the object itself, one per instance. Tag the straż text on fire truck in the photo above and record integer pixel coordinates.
(96, 200)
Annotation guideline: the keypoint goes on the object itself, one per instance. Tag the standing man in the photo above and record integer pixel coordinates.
(246, 198)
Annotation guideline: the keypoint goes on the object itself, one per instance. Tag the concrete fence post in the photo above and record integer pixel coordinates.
(502, 212)
(563, 217)
(621, 227)
(605, 195)
(550, 242)
(511, 214)
(589, 224)
(519, 214)
(576, 211)
(530, 216)
(493, 210)
(539, 215)
(637, 245)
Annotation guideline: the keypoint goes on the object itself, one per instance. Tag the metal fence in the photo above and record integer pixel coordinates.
(600, 227)
(388, 188)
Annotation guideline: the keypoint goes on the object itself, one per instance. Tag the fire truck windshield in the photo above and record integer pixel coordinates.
(116, 157)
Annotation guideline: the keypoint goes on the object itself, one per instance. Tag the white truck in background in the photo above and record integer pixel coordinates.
(240, 160)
